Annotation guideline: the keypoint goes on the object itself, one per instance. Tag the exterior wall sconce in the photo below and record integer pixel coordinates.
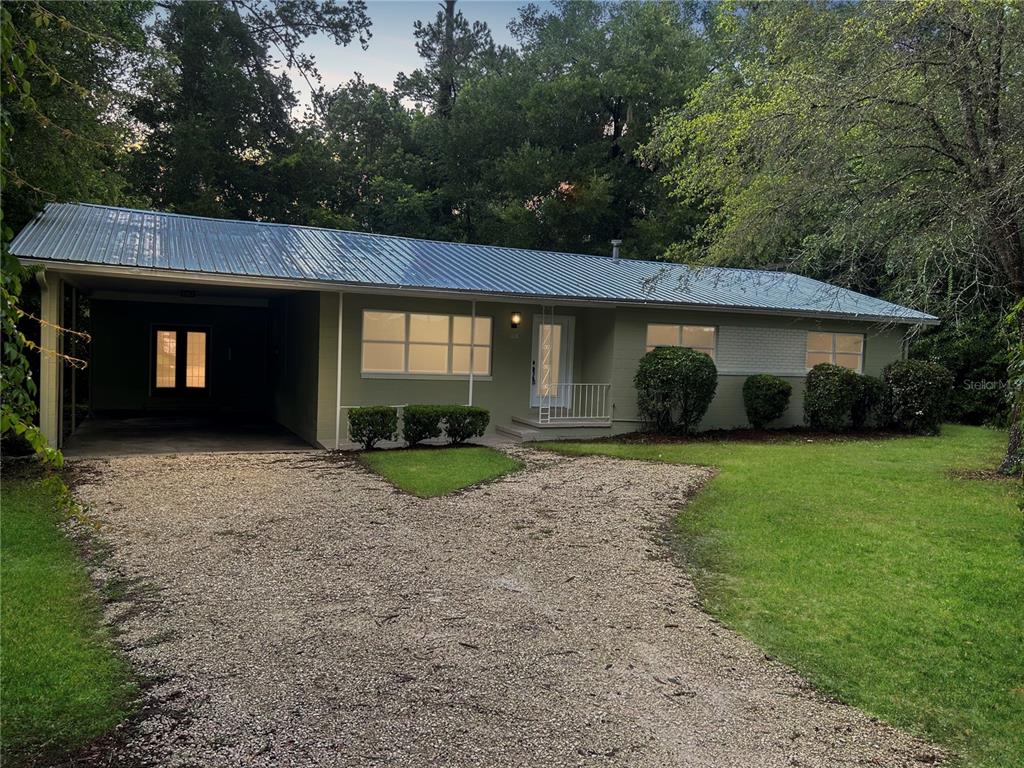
(517, 318)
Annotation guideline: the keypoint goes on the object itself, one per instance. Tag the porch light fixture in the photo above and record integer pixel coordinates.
(516, 319)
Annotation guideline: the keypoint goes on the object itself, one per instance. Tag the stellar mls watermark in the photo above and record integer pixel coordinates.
(985, 385)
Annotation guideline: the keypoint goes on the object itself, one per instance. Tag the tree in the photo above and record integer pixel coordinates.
(872, 144)
(381, 172)
(66, 107)
(219, 138)
(59, 128)
(453, 50)
(543, 151)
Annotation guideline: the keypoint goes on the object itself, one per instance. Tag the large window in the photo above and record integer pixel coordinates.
(179, 360)
(698, 337)
(425, 344)
(845, 349)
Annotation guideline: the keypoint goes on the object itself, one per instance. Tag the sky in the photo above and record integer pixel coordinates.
(392, 48)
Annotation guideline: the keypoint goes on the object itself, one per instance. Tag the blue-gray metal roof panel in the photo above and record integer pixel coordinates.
(93, 234)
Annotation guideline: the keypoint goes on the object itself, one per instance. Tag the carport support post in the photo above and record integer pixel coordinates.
(49, 359)
(472, 341)
(337, 410)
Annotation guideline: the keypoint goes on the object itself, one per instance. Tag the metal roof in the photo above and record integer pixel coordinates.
(152, 240)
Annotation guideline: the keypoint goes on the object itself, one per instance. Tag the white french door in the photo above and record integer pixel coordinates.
(551, 369)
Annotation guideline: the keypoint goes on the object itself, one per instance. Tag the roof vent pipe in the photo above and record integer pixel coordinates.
(615, 249)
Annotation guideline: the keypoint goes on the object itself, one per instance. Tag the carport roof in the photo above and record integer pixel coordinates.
(72, 233)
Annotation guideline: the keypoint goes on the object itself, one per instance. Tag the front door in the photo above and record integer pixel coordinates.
(551, 369)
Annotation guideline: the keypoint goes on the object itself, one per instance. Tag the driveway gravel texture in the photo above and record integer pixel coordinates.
(297, 610)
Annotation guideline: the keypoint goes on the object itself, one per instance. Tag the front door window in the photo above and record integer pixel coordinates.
(551, 374)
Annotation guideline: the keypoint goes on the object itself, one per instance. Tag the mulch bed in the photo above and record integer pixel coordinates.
(981, 474)
(790, 435)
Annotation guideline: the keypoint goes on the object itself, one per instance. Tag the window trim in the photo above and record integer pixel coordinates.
(834, 334)
(180, 388)
(679, 336)
(405, 343)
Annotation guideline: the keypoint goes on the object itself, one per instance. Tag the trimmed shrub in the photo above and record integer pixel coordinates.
(421, 422)
(675, 386)
(829, 397)
(765, 398)
(368, 426)
(462, 422)
(872, 403)
(918, 393)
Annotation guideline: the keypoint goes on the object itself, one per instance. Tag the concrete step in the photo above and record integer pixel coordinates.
(517, 432)
(562, 423)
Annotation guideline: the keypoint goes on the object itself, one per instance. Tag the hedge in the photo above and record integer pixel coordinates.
(918, 391)
(675, 386)
(369, 425)
(830, 396)
(461, 422)
(765, 398)
(422, 422)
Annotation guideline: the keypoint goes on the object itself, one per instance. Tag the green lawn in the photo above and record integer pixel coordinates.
(61, 684)
(427, 472)
(867, 567)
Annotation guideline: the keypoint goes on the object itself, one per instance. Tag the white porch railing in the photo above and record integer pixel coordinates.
(575, 402)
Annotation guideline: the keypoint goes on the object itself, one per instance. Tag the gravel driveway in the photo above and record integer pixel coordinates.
(301, 612)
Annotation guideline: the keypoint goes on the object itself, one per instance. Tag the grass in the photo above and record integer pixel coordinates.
(61, 683)
(427, 472)
(866, 566)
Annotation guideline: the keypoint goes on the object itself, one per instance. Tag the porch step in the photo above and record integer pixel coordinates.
(563, 423)
(521, 433)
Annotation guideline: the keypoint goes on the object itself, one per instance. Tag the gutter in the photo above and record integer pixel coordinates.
(255, 281)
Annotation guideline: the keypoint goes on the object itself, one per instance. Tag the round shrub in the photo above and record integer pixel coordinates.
(674, 386)
(829, 397)
(766, 398)
(462, 422)
(872, 403)
(421, 422)
(368, 426)
(918, 391)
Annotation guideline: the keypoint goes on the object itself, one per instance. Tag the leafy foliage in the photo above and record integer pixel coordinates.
(976, 352)
(918, 391)
(462, 422)
(422, 422)
(872, 406)
(368, 426)
(830, 396)
(765, 398)
(674, 386)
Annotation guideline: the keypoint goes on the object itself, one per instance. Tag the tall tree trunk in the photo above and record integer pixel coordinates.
(1012, 461)
(446, 90)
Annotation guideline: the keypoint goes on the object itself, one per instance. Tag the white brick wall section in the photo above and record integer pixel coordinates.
(746, 351)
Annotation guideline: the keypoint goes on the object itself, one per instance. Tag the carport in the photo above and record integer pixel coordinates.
(177, 366)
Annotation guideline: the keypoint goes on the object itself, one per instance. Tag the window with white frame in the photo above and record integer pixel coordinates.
(845, 349)
(425, 344)
(698, 337)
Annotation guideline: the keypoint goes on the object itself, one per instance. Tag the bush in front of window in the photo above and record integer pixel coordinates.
(918, 392)
(830, 396)
(674, 386)
(422, 422)
(461, 422)
(368, 426)
(871, 408)
(765, 398)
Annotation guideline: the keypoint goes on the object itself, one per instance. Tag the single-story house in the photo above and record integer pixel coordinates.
(299, 324)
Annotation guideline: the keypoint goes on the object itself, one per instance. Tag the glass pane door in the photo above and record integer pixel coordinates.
(551, 375)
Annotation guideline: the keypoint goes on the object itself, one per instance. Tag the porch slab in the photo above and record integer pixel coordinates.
(104, 437)
(563, 423)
